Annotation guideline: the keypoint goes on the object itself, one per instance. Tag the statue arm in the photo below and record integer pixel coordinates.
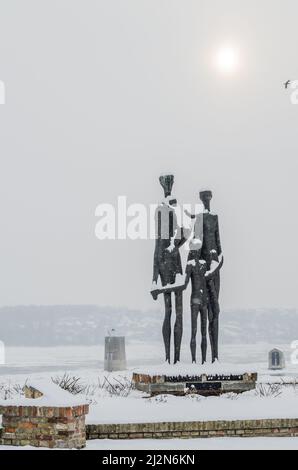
(157, 243)
(188, 272)
(199, 227)
(191, 216)
(210, 274)
(155, 269)
(154, 292)
(185, 234)
(217, 239)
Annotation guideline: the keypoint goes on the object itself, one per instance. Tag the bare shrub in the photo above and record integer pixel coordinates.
(69, 383)
(290, 384)
(231, 396)
(268, 390)
(8, 391)
(190, 395)
(159, 399)
(120, 387)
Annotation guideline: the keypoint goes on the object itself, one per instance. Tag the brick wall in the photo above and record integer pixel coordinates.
(46, 428)
(43, 426)
(250, 428)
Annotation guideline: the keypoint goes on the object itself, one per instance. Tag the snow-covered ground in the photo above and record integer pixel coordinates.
(261, 443)
(194, 408)
(223, 443)
(134, 406)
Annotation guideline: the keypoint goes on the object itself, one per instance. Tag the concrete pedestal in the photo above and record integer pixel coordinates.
(206, 383)
(115, 357)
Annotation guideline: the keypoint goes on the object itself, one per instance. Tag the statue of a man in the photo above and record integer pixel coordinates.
(168, 275)
(211, 253)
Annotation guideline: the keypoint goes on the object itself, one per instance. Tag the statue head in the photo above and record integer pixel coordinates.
(206, 197)
(167, 182)
(195, 246)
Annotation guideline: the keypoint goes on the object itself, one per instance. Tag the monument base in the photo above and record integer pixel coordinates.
(205, 380)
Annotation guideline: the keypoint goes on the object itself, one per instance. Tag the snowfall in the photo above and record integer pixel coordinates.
(113, 400)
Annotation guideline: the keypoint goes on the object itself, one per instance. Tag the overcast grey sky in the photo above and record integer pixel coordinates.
(102, 96)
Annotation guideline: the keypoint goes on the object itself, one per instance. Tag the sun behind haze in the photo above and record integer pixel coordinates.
(227, 59)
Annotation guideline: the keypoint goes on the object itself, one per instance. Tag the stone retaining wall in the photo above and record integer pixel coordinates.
(251, 428)
(69, 431)
(44, 426)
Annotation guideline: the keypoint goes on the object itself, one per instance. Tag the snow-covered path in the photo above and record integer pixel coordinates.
(223, 443)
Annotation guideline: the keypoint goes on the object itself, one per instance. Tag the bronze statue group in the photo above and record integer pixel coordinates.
(202, 272)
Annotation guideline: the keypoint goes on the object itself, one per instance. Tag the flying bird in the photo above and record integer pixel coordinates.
(287, 84)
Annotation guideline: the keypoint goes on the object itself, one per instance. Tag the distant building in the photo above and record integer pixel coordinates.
(276, 360)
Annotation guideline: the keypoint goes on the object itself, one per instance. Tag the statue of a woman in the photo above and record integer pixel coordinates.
(204, 263)
(168, 275)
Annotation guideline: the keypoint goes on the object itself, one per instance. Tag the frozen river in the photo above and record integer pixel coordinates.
(26, 360)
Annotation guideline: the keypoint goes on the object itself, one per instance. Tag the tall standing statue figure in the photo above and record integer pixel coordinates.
(168, 275)
(211, 253)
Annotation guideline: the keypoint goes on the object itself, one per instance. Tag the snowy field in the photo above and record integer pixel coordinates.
(133, 406)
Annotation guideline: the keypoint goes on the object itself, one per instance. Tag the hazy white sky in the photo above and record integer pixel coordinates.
(102, 96)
